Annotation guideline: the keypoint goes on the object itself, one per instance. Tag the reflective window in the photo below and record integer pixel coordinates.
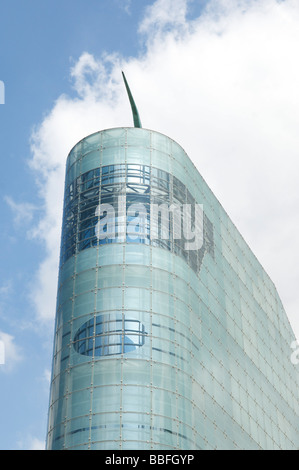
(107, 335)
(139, 186)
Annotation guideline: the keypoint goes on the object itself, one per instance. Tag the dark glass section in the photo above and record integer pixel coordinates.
(107, 335)
(130, 190)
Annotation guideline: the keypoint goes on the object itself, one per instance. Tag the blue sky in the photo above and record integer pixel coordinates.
(221, 77)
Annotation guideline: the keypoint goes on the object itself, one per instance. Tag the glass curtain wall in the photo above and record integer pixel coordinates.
(158, 347)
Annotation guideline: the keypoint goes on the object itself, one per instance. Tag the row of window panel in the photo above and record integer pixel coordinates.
(270, 392)
(137, 221)
(71, 247)
(223, 214)
(113, 175)
(140, 345)
(162, 352)
(169, 437)
(121, 139)
(217, 414)
(214, 327)
(204, 422)
(90, 203)
(193, 258)
(133, 256)
(99, 335)
(115, 345)
(179, 326)
(170, 300)
(152, 193)
(114, 398)
(248, 326)
(131, 390)
(179, 346)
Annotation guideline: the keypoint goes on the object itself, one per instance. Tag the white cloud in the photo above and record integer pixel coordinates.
(224, 86)
(165, 15)
(47, 377)
(10, 352)
(37, 444)
(6, 288)
(125, 5)
(23, 212)
(31, 443)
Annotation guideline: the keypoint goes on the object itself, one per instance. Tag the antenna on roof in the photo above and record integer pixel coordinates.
(136, 118)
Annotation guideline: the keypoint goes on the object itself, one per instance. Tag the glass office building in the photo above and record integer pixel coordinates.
(157, 346)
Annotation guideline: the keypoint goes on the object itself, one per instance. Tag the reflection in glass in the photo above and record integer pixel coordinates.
(138, 186)
(107, 335)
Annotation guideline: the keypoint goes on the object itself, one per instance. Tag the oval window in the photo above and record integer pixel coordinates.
(109, 334)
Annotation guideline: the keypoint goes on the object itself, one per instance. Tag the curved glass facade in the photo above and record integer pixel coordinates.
(135, 185)
(158, 347)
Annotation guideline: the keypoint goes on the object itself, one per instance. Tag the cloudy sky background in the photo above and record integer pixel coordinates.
(220, 77)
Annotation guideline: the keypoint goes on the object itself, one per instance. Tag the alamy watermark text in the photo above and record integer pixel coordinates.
(167, 222)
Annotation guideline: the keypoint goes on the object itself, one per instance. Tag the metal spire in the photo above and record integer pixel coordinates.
(137, 122)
